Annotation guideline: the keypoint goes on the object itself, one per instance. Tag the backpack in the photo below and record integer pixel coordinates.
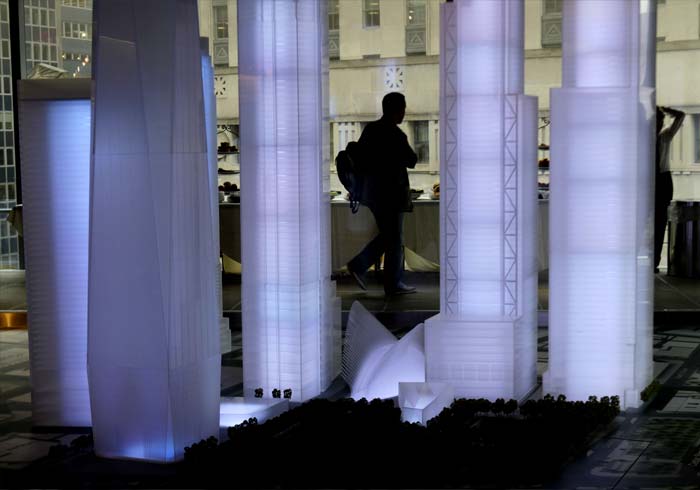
(348, 166)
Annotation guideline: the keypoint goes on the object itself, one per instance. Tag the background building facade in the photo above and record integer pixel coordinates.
(375, 47)
(380, 46)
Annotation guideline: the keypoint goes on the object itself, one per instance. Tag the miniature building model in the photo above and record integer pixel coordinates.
(55, 132)
(601, 214)
(483, 341)
(153, 319)
(289, 305)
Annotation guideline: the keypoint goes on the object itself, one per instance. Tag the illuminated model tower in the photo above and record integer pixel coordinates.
(54, 123)
(601, 214)
(153, 313)
(289, 304)
(483, 341)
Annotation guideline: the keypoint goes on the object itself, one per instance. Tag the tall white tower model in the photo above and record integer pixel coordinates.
(153, 313)
(483, 341)
(601, 216)
(288, 298)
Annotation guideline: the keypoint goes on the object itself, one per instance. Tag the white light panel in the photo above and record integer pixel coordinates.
(153, 314)
(601, 218)
(287, 293)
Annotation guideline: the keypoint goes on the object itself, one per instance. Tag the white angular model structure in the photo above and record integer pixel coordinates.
(420, 402)
(153, 319)
(601, 214)
(483, 341)
(288, 297)
(375, 362)
(54, 123)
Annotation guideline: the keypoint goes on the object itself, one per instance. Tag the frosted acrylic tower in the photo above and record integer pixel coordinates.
(289, 307)
(483, 341)
(153, 314)
(54, 122)
(601, 214)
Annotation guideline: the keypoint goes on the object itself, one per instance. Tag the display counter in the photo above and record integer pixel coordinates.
(350, 232)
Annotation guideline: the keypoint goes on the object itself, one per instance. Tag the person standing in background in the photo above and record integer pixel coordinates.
(664, 182)
(386, 155)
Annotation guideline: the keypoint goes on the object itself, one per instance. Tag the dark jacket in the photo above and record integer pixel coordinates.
(386, 156)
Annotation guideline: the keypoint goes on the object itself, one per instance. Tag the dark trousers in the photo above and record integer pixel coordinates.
(389, 242)
(663, 196)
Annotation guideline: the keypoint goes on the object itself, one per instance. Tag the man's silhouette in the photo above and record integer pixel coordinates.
(386, 155)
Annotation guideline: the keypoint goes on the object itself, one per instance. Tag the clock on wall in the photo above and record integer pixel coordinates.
(394, 78)
(220, 87)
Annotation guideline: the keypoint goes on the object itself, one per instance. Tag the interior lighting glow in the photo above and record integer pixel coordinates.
(483, 341)
(288, 298)
(153, 316)
(601, 216)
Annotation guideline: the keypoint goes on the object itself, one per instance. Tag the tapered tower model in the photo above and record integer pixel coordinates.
(290, 312)
(154, 364)
(483, 341)
(601, 218)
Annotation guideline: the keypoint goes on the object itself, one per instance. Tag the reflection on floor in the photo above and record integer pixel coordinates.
(656, 447)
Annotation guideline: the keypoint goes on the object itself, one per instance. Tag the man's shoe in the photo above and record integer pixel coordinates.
(402, 288)
(359, 278)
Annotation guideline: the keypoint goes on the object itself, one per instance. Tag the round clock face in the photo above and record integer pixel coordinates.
(393, 78)
(220, 86)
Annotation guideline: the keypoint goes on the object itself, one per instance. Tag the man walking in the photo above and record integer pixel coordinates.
(386, 155)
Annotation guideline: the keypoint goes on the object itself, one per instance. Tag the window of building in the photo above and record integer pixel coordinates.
(551, 23)
(333, 15)
(696, 138)
(70, 56)
(221, 22)
(77, 30)
(9, 240)
(40, 44)
(81, 4)
(415, 26)
(415, 14)
(421, 143)
(370, 11)
(333, 29)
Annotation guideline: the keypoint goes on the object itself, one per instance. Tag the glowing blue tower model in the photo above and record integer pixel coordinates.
(153, 314)
(483, 341)
(290, 312)
(601, 213)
